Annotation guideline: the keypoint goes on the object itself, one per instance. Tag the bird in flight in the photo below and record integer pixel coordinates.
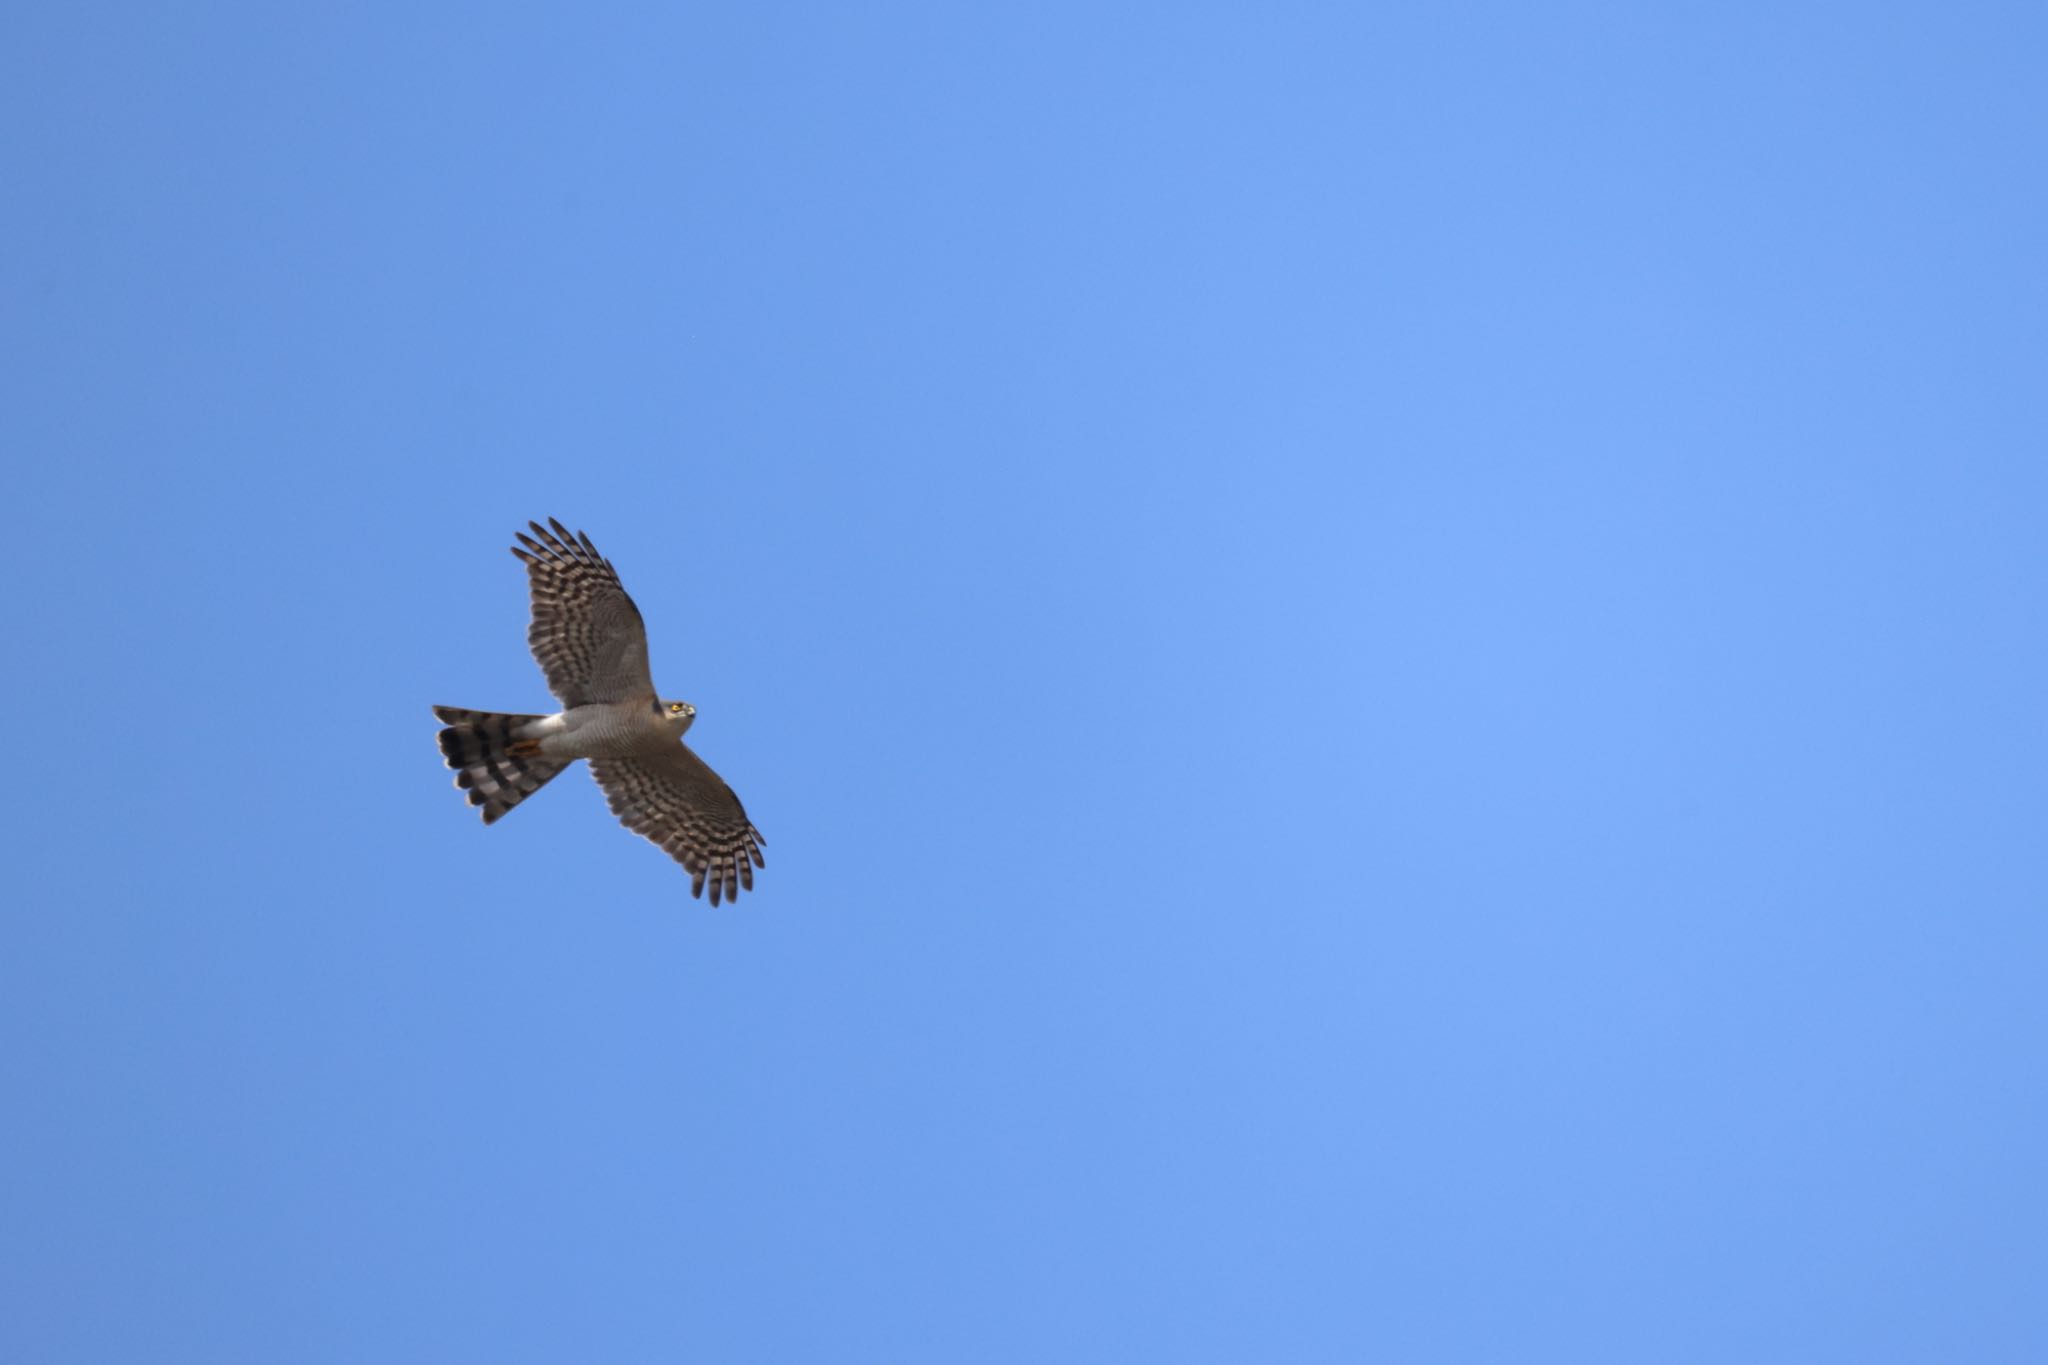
(591, 643)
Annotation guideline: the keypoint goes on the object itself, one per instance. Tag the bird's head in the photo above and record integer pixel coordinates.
(678, 714)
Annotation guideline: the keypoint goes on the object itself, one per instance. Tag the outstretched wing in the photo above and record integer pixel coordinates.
(673, 798)
(586, 634)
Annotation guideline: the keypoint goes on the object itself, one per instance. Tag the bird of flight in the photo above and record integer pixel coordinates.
(591, 643)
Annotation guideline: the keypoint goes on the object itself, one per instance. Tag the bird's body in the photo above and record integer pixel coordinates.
(589, 640)
(601, 729)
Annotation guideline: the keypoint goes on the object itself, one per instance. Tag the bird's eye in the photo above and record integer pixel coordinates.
(675, 708)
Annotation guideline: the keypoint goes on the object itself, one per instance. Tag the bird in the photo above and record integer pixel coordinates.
(591, 644)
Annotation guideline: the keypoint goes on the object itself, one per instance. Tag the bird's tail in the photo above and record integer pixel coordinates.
(478, 745)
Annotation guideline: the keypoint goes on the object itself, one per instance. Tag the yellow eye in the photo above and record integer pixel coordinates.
(675, 708)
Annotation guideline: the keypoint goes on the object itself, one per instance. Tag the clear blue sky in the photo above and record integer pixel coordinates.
(1392, 655)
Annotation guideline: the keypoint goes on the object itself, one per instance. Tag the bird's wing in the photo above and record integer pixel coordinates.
(672, 797)
(586, 635)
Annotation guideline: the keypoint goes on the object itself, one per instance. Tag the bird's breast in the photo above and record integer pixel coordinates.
(605, 730)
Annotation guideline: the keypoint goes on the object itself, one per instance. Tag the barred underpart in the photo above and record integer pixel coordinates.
(475, 745)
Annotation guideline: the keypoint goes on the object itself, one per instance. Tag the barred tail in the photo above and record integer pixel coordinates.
(478, 746)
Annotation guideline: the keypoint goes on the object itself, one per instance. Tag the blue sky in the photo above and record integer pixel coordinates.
(1392, 657)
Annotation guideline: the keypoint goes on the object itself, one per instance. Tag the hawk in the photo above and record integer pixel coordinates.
(590, 642)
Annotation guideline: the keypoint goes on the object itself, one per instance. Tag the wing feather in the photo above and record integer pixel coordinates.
(586, 634)
(674, 799)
